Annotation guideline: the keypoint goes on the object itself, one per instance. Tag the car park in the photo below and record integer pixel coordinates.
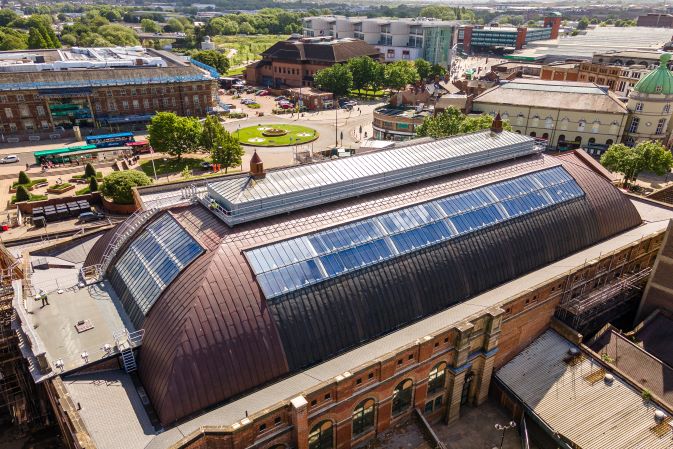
(9, 159)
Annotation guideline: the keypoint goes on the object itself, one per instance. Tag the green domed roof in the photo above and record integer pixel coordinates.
(659, 80)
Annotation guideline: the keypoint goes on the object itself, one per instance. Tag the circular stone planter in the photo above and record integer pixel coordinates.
(273, 132)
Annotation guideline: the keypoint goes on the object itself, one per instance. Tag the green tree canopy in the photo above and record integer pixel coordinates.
(336, 79)
(93, 184)
(439, 12)
(7, 16)
(228, 153)
(149, 26)
(23, 177)
(119, 35)
(174, 135)
(11, 39)
(364, 70)
(89, 171)
(451, 122)
(399, 74)
(583, 23)
(631, 161)
(118, 185)
(213, 58)
(22, 194)
(174, 26)
(423, 68)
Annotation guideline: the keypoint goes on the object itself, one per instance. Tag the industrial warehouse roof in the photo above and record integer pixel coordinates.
(216, 314)
(577, 403)
(552, 95)
(322, 49)
(244, 198)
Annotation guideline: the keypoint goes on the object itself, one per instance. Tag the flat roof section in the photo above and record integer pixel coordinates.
(592, 413)
(55, 324)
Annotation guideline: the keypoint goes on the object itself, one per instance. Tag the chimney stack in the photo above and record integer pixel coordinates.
(496, 126)
(257, 167)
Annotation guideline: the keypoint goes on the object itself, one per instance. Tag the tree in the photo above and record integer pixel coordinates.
(228, 153)
(149, 26)
(213, 58)
(93, 184)
(363, 69)
(336, 79)
(439, 12)
(212, 133)
(119, 35)
(631, 161)
(89, 171)
(423, 68)
(22, 194)
(119, 185)
(11, 39)
(399, 74)
(174, 135)
(451, 122)
(583, 23)
(69, 40)
(174, 25)
(23, 178)
(35, 39)
(246, 28)
(7, 16)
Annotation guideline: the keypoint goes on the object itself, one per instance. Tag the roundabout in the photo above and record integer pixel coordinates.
(275, 135)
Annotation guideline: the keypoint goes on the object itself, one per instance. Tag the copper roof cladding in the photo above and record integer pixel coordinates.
(212, 336)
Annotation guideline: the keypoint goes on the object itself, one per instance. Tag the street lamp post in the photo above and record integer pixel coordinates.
(336, 123)
(504, 429)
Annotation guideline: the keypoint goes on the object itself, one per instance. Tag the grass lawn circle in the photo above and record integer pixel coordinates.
(295, 135)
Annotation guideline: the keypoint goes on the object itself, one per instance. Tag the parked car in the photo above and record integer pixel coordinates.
(281, 98)
(205, 164)
(247, 101)
(286, 105)
(9, 159)
(86, 217)
(263, 93)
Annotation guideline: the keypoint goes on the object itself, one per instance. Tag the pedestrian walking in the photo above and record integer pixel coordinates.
(43, 297)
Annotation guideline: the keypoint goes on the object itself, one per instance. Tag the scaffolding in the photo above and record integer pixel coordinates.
(18, 398)
(581, 311)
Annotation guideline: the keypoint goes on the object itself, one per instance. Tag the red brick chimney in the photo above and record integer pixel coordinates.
(496, 126)
(256, 167)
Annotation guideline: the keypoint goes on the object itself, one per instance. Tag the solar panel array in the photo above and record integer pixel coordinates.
(296, 263)
(153, 260)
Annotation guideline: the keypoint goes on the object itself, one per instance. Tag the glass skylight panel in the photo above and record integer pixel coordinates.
(296, 263)
(154, 259)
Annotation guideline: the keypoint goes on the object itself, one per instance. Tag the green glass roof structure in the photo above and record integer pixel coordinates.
(659, 80)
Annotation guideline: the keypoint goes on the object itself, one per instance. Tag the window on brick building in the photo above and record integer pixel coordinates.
(111, 105)
(3, 99)
(321, 436)
(436, 378)
(122, 92)
(8, 113)
(125, 105)
(371, 375)
(40, 110)
(155, 102)
(20, 98)
(45, 124)
(24, 110)
(402, 396)
(146, 103)
(97, 106)
(363, 417)
(136, 104)
(277, 420)
(12, 127)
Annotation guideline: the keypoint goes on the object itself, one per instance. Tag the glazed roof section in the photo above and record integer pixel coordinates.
(243, 199)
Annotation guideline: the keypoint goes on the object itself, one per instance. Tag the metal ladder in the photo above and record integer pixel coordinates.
(125, 342)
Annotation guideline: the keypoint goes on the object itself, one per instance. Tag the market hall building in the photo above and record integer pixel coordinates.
(316, 306)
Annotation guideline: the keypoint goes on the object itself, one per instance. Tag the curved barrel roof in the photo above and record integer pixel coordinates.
(216, 332)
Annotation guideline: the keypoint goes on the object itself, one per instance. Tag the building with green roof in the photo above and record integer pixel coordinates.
(649, 106)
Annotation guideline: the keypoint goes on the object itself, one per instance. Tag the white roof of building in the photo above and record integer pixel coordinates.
(592, 413)
(308, 185)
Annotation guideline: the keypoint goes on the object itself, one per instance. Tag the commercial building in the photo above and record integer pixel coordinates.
(649, 106)
(565, 114)
(395, 39)
(486, 38)
(45, 92)
(619, 79)
(317, 306)
(294, 62)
